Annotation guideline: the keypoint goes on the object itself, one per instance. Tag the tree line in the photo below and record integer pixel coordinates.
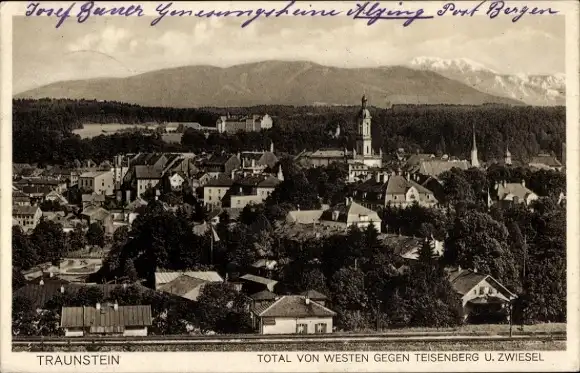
(43, 129)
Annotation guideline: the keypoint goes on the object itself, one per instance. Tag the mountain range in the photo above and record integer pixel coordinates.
(423, 81)
(540, 90)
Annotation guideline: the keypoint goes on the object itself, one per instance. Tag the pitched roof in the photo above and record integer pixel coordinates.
(328, 153)
(184, 286)
(293, 306)
(546, 159)
(464, 280)
(96, 213)
(514, 189)
(165, 277)
(437, 167)
(350, 212)
(260, 181)
(258, 279)
(41, 294)
(313, 294)
(24, 210)
(147, 172)
(263, 295)
(93, 197)
(107, 316)
(221, 181)
(92, 174)
(304, 216)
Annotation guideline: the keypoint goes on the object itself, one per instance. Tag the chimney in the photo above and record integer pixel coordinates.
(61, 289)
(523, 183)
(272, 147)
(233, 174)
(98, 306)
(306, 300)
(474, 270)
(458, 268)
(116, 306)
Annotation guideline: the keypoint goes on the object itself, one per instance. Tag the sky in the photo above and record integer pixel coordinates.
(117, 47)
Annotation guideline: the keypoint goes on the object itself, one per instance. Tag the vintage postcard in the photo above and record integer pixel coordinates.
(289, 186)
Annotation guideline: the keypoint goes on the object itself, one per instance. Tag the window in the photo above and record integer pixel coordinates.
(301, 328)
(320, 328)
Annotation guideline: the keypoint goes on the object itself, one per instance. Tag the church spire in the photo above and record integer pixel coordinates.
(508, 155)
(364, 101)
(474, 158)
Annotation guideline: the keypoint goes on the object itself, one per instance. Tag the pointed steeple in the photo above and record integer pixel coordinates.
(280, 174)
(508, 156)
(474, 158)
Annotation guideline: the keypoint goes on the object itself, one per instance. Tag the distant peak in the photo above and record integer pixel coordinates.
(436, 63)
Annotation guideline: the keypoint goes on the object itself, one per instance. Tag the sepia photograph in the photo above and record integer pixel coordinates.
(298, 184)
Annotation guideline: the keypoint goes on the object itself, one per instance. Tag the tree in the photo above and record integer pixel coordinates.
(456, 187)
(96, 235)
(130, 271)
(23, 316)
(77, 239)
(222, 309)
(49, 239)
(476, 241)
(24, 253)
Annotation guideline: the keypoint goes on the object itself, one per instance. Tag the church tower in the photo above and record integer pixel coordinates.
(508, 156)
(364, 146)
(474, 159)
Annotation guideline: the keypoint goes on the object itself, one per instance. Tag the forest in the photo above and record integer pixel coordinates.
(43, 129)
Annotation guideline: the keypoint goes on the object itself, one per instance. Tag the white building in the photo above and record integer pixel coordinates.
(292, 314)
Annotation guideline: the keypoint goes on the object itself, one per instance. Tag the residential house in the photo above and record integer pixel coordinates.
(251, 190)
(146, 177)
(218, 164)
(254, 163)
(395, 190)
(20, 198)
(93, 214)
(324, 157)
(176, 181)
(482, 296)
(513, 193)
(350, 213)
(292, 314)
(27, 217)
(546, 162)
(47, 183)
(261, 298)
(163, 278)
(54, 196)
(215, 190)
(106, 319)
(100, 182)
(93, 199)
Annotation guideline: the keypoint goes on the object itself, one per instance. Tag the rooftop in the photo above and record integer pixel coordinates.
(107, 316)
(293, 306)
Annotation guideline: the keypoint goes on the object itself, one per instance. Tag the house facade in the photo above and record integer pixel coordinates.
(482, 296)
(392, 189)
(292, 314)
(27, 217)
(100, 182)
(215, 190)
(514, 193)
